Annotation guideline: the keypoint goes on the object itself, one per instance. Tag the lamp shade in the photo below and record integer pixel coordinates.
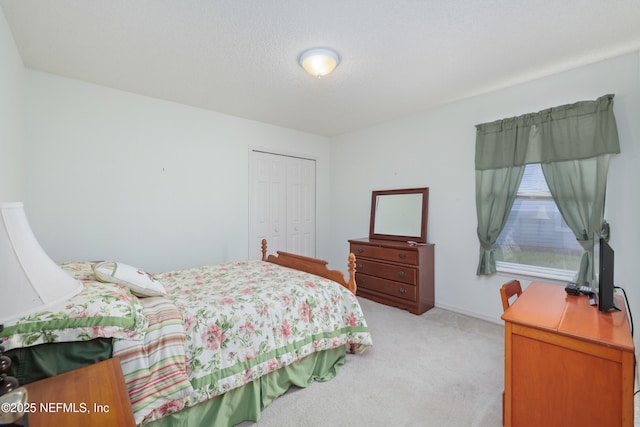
(319, 61)
(29, 279)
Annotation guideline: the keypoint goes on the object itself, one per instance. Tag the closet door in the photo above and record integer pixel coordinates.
(268, 203)
(301, 206)
(282, 204)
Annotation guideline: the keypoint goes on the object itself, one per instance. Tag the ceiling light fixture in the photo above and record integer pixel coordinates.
(319, 61)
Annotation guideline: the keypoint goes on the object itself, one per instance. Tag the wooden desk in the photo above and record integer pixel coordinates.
(90, 396)
(566, 364)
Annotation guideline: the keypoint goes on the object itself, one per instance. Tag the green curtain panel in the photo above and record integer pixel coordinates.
(496, 191)
(578, 187)
(563, 139)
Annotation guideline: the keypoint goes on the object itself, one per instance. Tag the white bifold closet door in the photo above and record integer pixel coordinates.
(282, 204)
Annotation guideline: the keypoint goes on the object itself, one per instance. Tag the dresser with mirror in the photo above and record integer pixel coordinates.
(394, 265)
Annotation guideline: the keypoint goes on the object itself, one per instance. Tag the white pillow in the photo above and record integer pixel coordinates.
(140, 282)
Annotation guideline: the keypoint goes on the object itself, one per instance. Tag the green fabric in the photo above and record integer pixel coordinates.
(569, 132)
(247, 402)
(29, 364)
(496, 190)
(69, 323)
(563, 139)
(278, 352)
(578, 187)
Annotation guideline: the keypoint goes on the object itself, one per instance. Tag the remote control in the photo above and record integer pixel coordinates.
(572, 289)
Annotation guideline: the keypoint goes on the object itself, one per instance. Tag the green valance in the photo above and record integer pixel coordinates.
(576, 131)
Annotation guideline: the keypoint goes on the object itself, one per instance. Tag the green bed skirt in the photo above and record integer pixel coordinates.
(41, 361)
(246, 403)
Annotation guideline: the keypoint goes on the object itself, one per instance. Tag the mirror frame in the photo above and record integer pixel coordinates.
(422, 238)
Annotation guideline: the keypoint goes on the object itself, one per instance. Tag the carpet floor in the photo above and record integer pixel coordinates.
(438, 369)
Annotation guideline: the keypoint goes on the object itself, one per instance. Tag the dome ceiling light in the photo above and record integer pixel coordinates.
(319, 61)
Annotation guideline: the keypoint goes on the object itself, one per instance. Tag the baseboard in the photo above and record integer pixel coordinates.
(458, 310)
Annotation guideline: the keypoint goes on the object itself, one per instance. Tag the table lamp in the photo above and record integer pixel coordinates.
(30, 281)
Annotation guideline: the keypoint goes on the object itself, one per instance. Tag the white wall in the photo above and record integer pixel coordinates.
(11, 117)
(436, 149)
(112, 175)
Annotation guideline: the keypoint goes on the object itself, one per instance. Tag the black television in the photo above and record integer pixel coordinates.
(603, 274)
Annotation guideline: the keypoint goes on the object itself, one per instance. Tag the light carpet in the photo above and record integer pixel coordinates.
(438, 369)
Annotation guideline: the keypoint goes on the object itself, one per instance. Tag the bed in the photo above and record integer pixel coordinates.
(212, 345)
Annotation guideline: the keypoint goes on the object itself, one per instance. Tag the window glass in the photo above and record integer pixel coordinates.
(535, 233)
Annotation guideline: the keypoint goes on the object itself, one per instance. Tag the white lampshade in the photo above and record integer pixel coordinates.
(319, 61)
(29, 280)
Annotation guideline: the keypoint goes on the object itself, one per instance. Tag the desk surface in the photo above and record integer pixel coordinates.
(549, 307)
(91, 396)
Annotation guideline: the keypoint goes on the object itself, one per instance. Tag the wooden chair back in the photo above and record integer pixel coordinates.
(508, 290)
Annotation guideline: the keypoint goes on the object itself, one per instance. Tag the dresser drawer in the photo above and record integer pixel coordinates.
(386, 254)
(389, 287)
(394, 272)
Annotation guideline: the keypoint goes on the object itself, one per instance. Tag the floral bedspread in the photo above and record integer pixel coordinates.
(218, 328)
(247, 319)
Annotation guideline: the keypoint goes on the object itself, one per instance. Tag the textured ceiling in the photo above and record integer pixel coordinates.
(239, 57)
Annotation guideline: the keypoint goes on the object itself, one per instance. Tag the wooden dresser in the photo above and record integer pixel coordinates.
(566, 363)
(395, 273)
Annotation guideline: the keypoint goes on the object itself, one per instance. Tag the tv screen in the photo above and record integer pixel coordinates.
(603, 273)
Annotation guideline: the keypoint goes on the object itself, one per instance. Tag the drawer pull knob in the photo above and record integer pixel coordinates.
(402, 256)
(360, 266)
(360, 250)
(401, 274)
(402, 290)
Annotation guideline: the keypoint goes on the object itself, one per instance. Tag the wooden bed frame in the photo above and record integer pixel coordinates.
(313, 266)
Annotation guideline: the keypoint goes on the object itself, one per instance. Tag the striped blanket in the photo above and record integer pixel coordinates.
(155, 369)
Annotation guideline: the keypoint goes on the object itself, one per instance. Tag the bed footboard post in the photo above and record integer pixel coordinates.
(264, 249)
(352, 273)
(352, 287)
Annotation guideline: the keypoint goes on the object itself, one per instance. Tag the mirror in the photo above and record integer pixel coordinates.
(399, 214)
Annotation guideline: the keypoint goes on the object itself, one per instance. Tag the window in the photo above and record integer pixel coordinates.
(536, 240)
